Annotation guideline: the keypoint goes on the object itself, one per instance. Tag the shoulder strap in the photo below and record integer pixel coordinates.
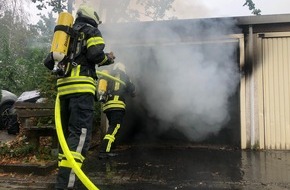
(77, 28)
(64, 28)
(79, 42)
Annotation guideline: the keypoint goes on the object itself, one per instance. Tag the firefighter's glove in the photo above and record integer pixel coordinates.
(110, 57)
(49, 62)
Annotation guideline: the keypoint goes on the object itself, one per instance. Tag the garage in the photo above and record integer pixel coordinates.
(204, 81)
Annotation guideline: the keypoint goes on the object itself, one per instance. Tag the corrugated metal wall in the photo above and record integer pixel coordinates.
(276, 90)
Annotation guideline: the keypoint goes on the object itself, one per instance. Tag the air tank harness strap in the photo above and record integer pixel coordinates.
(67, 29)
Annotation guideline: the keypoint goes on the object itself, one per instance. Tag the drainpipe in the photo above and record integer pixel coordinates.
(252, 87)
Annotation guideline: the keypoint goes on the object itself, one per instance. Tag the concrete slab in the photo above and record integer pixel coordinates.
(177, 166)
(185, 166)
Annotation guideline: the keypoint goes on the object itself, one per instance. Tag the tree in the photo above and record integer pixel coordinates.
(116, 11)
(156, 9)
(252, 7)
(133, 10)
(21, 55)
(56, 5)
(13, 38)
(44, 27)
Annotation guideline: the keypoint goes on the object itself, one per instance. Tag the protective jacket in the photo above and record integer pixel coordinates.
(116, 92)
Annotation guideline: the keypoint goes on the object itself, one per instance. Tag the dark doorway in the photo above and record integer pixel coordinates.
(142, 125)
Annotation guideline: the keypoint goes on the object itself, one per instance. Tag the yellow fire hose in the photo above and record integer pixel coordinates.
(81, 175)
(110, 77)
(85, 180)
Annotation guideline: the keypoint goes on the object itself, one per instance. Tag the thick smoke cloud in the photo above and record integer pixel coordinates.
(185, 75)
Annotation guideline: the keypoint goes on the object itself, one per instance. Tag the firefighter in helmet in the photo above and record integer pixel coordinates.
(77, 93)
(114, 107)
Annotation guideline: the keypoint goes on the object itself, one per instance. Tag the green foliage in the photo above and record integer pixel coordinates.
(44, 30)
(22, 73)
(48, 86)
(252, 7)
(22, 150)
(16, 152)
(45, 154)
(57, 5)
(23, 48)
(156, 9)
(119, 12)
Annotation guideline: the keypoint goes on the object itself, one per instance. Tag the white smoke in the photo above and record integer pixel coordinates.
(192, 86)
(184, 77)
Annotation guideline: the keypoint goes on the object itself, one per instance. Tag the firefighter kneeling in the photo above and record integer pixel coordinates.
(114, 106)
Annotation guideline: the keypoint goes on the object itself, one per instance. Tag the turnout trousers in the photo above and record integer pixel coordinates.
(115, 118)
(77, 112)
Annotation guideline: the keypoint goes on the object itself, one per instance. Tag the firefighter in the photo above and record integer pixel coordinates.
(76, 93)
(114, 107)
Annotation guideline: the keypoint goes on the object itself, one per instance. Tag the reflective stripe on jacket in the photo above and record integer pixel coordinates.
(116, 91)
(114, 104)
(76, 83)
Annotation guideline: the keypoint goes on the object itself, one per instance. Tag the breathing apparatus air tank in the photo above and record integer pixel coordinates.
(61, 40)
(102, 87)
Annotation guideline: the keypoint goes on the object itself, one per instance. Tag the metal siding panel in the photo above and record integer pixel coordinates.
(276, 92)
(260, 98)
(243, 96)
(276, 122)
(267, 86)
(282, 94)
(286, 50)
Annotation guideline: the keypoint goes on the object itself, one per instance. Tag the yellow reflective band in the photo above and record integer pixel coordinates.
(110, 137)
(95, 41)
(116, 129)
(114, 104)
(61, 156)
(116, 98)
(75, 71)
(80, 84)
(104, 60)
(78, 156)
(76, 88)
(75, 79)
(108, 149)
(65, 163)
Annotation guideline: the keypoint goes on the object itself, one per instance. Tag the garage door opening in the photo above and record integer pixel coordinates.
(185, 93)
